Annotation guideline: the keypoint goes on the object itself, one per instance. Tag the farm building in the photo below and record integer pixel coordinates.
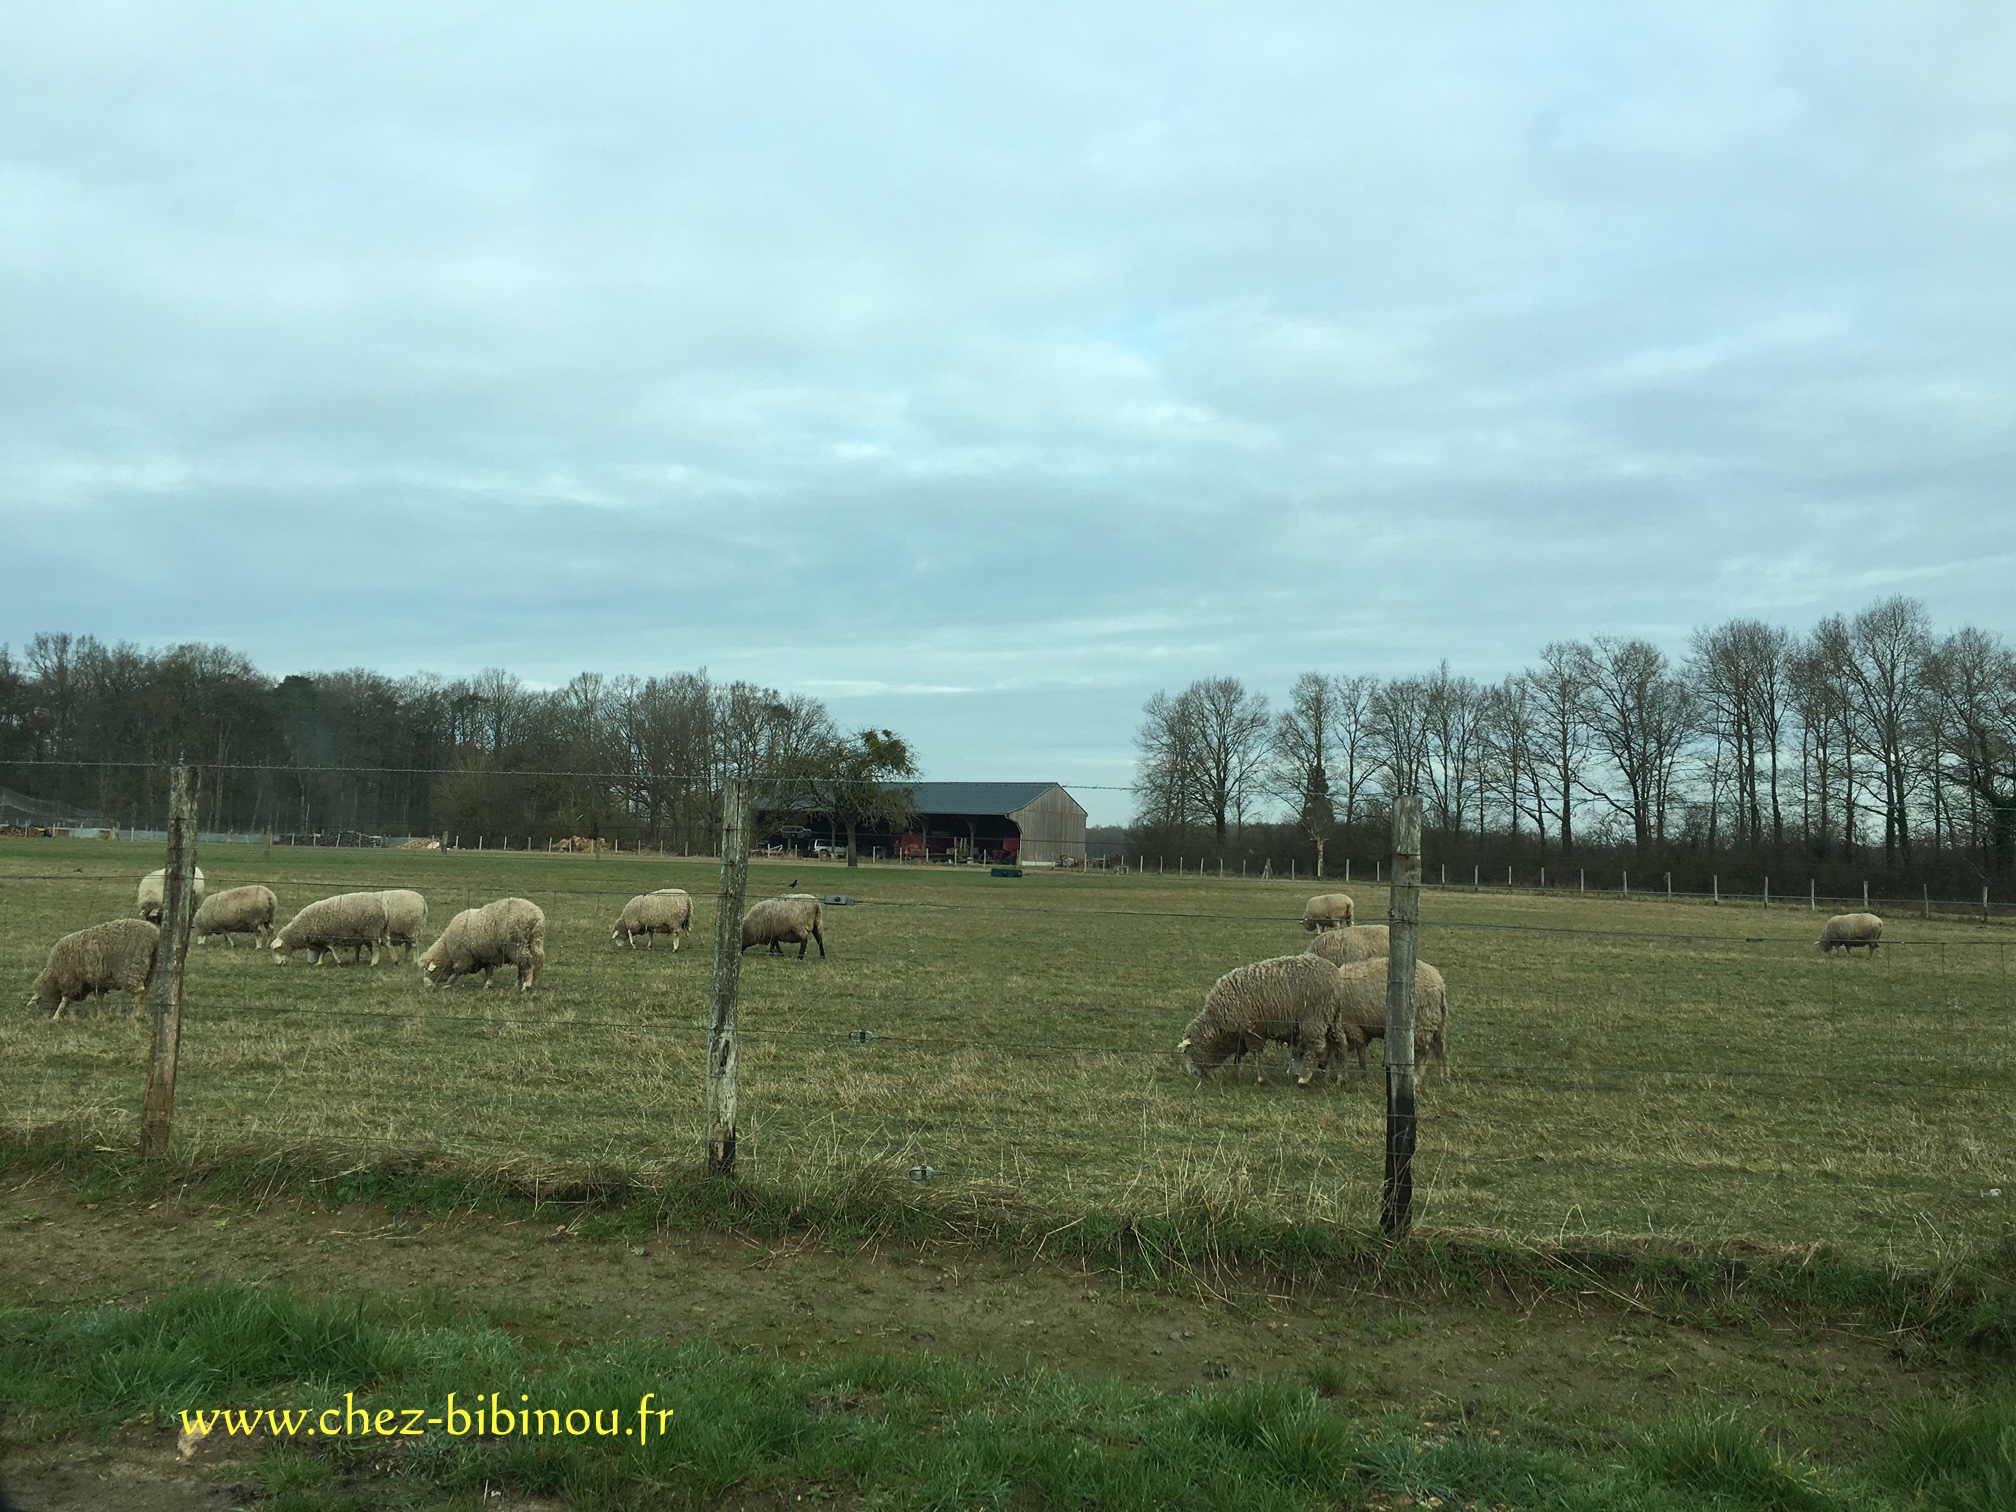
(1037, 823)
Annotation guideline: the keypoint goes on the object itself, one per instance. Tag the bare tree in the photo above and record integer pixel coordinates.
(1641, 715)
(1455, 739)
(1302, 750)
(1738, 674)
(1510, 769)
(1560, 690)
(1970, 679)
(1166, 762)
(1888, 643)
(1232, 727)
(1400, 716)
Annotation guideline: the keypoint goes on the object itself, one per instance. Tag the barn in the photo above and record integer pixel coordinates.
(1032, 823)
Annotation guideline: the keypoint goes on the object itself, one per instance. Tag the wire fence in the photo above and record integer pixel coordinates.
(1020, 1049)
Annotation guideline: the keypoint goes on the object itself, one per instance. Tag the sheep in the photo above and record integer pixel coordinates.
(510, 931)
(152, 888)
(1358, 1016)
(235, 911)
(405, 918)
(1327, 911)
(1354, 942)
(1288, 998)
(667, 911)
(359, 919)
(119, 955)
(790, 920)
(1846, 931)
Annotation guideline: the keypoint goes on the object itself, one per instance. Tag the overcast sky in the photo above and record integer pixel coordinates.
(983, 370)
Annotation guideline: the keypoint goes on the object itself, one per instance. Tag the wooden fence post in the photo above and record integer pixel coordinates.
(1403, 920)
(164, 992)
(721, 998)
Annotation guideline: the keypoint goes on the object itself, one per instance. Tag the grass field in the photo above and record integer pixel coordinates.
(1621, 1068)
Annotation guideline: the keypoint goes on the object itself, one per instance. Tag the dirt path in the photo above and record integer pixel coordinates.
(1563, 1357)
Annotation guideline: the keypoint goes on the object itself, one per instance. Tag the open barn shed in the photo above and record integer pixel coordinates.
(1031, 823)
(1034, 823)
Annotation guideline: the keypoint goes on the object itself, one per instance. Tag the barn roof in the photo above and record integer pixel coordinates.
(975, 797)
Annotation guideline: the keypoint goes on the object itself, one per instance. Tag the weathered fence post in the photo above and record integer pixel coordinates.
(1403, 920)
(164, 992)
(1767, 892)
(1928, 900)
(1865, 896)
(721, 998)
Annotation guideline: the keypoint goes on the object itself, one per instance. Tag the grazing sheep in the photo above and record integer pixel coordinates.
(106, 957)
(1358, 1016)
(1288, 998)
(357, 919)
(668, 911)
(235, 911)
(508, 932)
(405, 918)
(790, 920)
(1327, 911)
(1846, 931)
(152, 888)
(1354, 942)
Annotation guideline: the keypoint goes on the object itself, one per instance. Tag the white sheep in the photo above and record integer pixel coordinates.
(357, 919)
(668, 911)
(1288, 998)
(1354, 942)
(1846, 931)
(508, 932)
(153, 888)
(793, 919)
(235, 911)
(1358, 1016)
(114, 957)
(405, 918)
(1327, 911)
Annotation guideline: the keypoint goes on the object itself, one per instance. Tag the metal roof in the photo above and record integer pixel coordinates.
(974, 797)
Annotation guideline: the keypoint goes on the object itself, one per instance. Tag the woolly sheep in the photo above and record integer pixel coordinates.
(508, 932)
(790, 920)
(235, 911)
(1327, 911)
(1288, 998)
(405, 918)
(1358, 1016)
(106, 957)
(358, 919)
(152, 888)
(1846, 931)
(668, 911)
(1354, 942)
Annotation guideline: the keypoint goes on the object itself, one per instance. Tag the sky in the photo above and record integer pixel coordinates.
(983, 369)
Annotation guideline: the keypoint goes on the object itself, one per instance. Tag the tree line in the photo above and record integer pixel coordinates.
(85, 727)
(1871, 743)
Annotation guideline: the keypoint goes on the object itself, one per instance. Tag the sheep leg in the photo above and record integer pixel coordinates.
(822, 943)
(488, 972)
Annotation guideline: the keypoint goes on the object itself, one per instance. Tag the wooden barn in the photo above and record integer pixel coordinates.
(1029, 823)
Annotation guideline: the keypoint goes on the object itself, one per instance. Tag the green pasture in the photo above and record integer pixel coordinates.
(1621, 1067)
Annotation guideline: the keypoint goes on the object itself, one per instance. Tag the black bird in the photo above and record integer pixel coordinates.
(792, 883)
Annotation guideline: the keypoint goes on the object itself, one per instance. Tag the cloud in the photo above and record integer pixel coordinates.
(991, 368)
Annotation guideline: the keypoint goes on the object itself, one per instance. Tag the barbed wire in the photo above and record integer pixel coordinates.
(124, 879)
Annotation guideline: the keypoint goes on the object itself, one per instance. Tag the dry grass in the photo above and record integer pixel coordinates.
(1621, 1068)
